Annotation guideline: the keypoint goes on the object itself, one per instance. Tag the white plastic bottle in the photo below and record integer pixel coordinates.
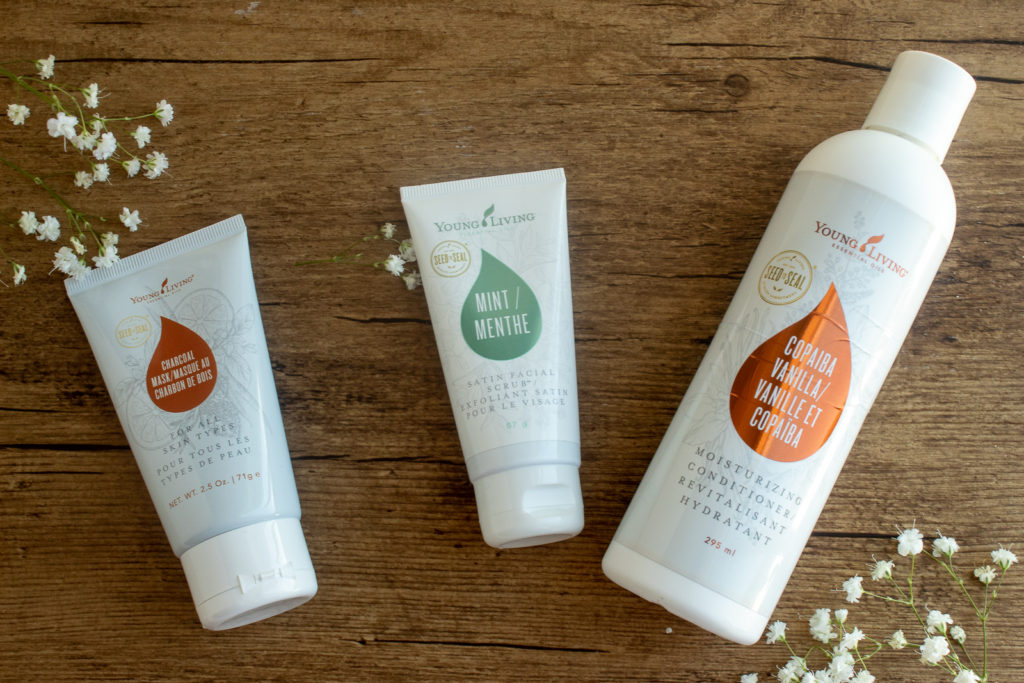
(734, 490)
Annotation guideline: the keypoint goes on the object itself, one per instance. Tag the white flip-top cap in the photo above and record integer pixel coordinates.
(530, 505)
(250, 573)
(923, 99)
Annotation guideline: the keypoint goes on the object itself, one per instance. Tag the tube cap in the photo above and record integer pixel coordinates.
(530, 505)
(923, 99)
(250, 573)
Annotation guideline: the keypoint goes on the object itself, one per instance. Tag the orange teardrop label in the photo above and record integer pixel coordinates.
(183, 371)
(788, 395)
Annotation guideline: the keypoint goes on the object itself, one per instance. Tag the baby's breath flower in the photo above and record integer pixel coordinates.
(821, 625)
(1003, 557)
(958, 634)
(132, 166)
(937, 622)
(790, 673)
(130, 219)
(841, 615)
(882, 570)
(412, 280)
(108, 256)
(84, 180)
(897, 640)
(909, 542)
(62, 126)
(106, 147)
(156, 163)
(78, 270)
(851, 639)
(776, 632)
(19, 273)
(863, 676)
(108, 239)
(28, 222)
(141, 135)
(944, 546)
(394, 265)
(853, 588)
(45, 66)
(407, 251)
(934, 649)
(84, 141)
(966, 676)
(79, 247)
(92, 95)
(388, 230)
(17, 113)
(164, 112)
(63, 260)
(748, 678)
(49, 229)
(101, 173)
(985, 574)
(841, 666)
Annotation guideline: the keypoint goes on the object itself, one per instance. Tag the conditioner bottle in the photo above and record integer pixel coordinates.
(736, 486)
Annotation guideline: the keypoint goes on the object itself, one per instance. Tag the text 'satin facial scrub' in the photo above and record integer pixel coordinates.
(494, 257)
(177, 334)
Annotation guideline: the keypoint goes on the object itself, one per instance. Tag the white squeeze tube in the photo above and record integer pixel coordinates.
(729, 500)
(494, 257)
(177, 334)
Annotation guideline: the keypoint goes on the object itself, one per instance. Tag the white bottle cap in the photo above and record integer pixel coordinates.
(530, 505)
(923, 100)
(250, 573)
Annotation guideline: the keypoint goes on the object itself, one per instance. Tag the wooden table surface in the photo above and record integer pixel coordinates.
(678, 125)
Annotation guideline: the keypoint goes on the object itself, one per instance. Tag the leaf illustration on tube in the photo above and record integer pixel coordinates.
(183, 371)
(790, 392)
(501, 317)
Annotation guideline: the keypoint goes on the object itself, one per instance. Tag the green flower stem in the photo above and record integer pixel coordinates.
(104, 119)
(56, 100)
(948, 566)
(910, 588)
(23, 83)
(51, 99)
(344, 255)
(8, 258)
(79, 219)
(39, 181)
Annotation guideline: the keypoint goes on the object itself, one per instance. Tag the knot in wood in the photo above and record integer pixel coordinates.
(737, 85)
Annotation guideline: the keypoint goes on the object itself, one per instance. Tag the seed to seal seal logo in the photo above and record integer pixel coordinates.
(450, 258)
(786, 278)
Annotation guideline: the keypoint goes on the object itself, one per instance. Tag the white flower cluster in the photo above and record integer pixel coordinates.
(943, 643)
(76, 121)
(395, 264)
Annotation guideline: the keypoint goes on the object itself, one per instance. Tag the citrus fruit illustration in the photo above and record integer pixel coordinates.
(208, 313)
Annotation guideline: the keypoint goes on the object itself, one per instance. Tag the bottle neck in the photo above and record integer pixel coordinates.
(907, 136)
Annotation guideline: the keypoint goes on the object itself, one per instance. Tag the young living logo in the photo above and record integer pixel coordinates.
(166, 289)
(865, 250)
(489, 220)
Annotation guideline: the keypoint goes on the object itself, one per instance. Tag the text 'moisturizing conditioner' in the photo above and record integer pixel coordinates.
(730, 498)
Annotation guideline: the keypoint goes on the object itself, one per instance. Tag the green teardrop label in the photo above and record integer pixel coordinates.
(501, 317)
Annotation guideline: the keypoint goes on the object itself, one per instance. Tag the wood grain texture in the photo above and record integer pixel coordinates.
(678, 124)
